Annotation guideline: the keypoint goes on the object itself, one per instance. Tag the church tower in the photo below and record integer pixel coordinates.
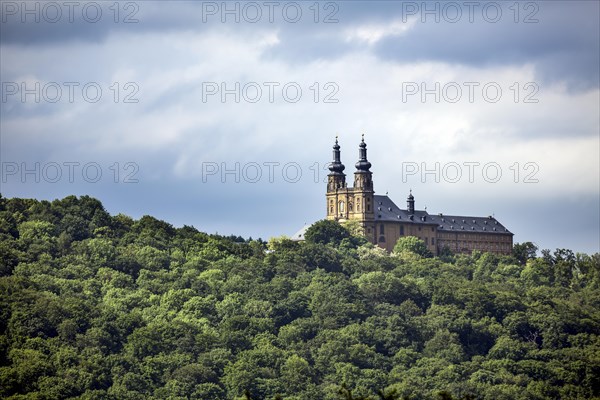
(363, 186)
(337, 191)
(352, 203)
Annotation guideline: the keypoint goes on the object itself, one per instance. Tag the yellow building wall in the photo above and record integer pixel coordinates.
(392, 231)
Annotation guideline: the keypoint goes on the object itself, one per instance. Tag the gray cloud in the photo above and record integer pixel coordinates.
(562, 43)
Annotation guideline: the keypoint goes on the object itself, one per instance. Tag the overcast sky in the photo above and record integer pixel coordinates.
(222, 115)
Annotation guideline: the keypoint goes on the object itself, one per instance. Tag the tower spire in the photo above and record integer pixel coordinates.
(363, 164)
(410, 203)
(337, 198)
(336, 167)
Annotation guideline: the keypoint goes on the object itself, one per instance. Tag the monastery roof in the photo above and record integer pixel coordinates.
(387, 210)
(456, 223)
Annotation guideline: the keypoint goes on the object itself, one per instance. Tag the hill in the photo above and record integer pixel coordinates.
(94, 306)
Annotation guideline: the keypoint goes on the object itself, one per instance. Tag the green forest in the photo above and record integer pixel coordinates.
(96, 306)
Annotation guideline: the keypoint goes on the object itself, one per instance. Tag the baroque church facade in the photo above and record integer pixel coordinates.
(383, 222)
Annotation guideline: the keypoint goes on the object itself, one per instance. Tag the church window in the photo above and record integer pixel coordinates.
(381, 229)
(432, 240)
(402, 229)
(382, 239)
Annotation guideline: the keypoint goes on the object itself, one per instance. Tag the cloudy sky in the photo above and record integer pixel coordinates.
(222, 115)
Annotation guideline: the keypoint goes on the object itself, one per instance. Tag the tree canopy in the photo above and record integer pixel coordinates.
(326, 232)
(412, 244)
(94, 306)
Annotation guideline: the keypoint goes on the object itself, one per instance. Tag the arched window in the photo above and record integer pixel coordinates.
(381, 230)
(381, 239)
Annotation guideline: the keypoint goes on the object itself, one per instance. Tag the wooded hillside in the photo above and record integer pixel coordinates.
(94, 306)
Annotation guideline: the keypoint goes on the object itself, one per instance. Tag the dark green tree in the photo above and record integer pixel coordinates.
(412, 244)
(326, 232)
(524, 251)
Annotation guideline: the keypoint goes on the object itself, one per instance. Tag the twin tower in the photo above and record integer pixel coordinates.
(351, 203)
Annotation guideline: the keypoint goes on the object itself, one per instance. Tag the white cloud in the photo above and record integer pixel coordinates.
(374, 32)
